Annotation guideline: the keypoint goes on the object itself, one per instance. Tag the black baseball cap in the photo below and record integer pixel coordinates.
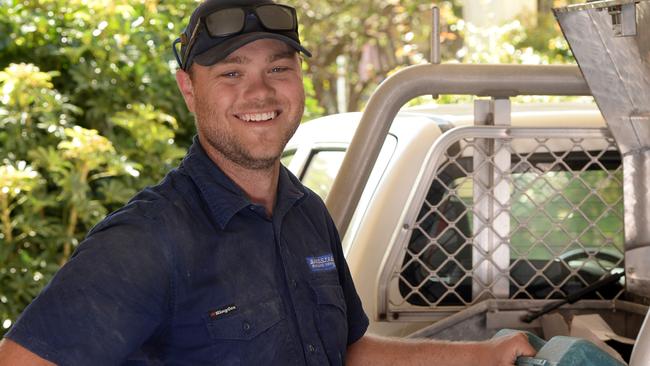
(207, 50)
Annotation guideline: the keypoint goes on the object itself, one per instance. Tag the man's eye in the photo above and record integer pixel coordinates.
(279, 69)
(230, 74)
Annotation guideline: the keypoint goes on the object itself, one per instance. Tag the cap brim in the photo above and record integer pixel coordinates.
(222, 50)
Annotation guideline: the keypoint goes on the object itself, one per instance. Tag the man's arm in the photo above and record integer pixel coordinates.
(11, 353)
(378, 351)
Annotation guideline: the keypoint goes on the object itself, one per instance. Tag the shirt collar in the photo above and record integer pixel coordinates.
(224, 197)
(290, 192)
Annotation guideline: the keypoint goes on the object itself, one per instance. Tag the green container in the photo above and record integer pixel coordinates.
(563, 351)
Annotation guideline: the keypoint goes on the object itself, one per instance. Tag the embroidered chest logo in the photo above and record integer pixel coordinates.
(217, 313)
(321, 263)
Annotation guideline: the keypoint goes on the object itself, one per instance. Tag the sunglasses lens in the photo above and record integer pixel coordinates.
(225, 22)
(276, 17)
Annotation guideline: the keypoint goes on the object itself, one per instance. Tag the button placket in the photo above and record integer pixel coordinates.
(310, 350)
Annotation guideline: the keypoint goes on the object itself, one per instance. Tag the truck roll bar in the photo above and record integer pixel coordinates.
(498, 81)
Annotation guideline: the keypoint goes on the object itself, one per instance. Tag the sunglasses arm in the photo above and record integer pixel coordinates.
(178, 58)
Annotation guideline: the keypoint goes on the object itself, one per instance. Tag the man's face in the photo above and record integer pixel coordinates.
(249, 105)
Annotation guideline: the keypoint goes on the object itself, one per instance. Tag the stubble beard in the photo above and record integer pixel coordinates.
(229, 146)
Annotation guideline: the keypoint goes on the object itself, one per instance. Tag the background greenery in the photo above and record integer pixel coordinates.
(90, 112)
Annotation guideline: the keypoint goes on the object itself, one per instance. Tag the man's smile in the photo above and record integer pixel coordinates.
(257, 116)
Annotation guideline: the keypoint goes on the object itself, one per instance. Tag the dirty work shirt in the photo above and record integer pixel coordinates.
(190, 272)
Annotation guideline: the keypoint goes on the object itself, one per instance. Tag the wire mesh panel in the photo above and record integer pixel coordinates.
(545, 225)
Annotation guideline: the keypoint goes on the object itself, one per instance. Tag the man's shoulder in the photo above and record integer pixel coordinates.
(312, 208)
(313, 202)
(309, 198)
(171, 199)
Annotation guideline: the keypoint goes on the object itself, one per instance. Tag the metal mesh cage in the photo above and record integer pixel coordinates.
(518, 216)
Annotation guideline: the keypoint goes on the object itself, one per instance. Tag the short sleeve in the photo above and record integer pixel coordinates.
(106, 301)
(357, 318)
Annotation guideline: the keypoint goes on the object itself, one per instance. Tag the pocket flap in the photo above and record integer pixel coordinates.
(330, 295)
(248, 323)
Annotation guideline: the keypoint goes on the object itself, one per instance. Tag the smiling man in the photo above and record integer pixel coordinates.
(247, 106)
(230, 259)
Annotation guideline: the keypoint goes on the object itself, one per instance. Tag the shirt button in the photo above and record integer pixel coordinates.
(294, 284)
(311, 348)
(246, 326)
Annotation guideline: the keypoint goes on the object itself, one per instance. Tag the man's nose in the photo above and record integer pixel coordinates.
(259, 87)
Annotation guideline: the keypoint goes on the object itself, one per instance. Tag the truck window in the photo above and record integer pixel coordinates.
(321, 169)
(581, 193)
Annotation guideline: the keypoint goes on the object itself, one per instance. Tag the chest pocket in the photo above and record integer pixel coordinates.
(331, 320)
(250, 335)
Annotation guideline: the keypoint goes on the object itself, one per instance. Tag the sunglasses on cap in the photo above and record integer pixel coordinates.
(231, 21)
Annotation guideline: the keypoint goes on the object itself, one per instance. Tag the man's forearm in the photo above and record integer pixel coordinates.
(373, 350)
(378, 351)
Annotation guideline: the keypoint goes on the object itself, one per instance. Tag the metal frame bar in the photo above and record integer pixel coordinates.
(513, 305)
(414, 81)
(491, 198)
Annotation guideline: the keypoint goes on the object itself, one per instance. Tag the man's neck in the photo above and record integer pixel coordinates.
(259, 185)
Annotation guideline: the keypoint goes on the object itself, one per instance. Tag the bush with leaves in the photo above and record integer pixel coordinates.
(79, 133)
(53, 178)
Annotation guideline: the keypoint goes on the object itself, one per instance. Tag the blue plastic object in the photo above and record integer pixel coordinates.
(563, 351)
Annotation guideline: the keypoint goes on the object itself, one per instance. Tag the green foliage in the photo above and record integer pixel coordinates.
(49, 191)
(362, 40)
(147, 136)
(79, 133)
(313, 109)
(531, 39)
(108, 53)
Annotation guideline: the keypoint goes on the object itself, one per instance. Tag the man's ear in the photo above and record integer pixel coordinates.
(184, 82)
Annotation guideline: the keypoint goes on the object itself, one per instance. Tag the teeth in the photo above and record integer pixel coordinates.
(256, 117)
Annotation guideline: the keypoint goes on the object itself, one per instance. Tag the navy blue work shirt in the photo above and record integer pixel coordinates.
(190, 272)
